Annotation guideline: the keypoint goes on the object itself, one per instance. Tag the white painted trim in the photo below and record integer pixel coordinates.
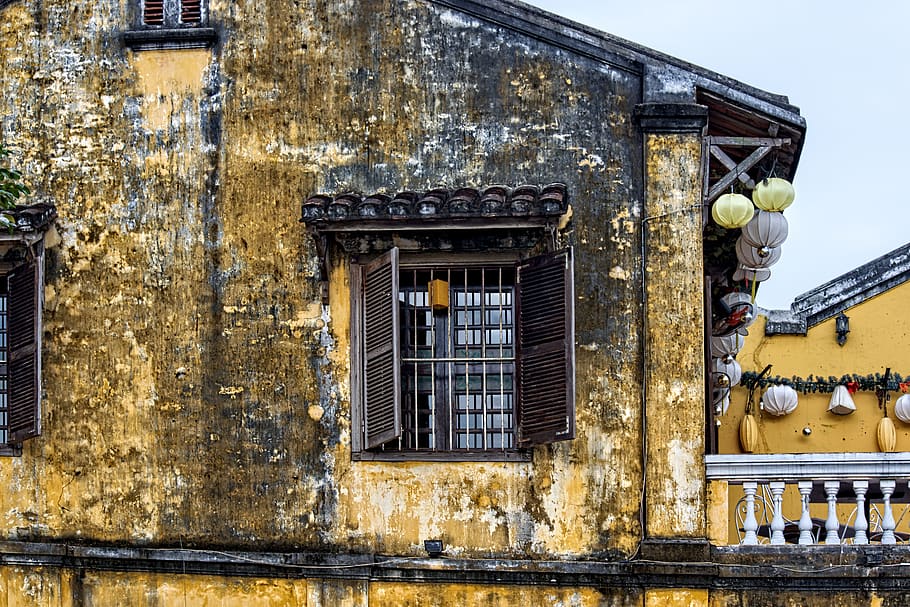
(792, 467)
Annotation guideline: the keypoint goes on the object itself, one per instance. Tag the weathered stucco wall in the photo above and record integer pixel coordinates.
(185, 334)
(27, 587)
(674, 304)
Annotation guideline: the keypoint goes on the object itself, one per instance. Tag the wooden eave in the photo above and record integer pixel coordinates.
(728, 119)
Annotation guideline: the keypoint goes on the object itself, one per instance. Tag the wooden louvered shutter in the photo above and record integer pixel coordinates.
(382, 351)
(191, 11)
(153, 12)
(546, 349)
(22, 371)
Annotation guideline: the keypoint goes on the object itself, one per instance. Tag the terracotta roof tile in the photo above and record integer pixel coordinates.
(491, 202)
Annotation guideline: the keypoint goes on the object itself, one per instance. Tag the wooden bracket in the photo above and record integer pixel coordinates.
(763, 146)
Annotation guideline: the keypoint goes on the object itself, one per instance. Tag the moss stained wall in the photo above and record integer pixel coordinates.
(185, 336)
(675, 486)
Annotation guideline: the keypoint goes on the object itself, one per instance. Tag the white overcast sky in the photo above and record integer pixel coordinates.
(844, 64)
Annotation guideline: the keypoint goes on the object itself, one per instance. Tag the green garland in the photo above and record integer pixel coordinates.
(812, 384)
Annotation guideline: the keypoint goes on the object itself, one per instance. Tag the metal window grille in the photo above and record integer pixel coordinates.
(458, 362)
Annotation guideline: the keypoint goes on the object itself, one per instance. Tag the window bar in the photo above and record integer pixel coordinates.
(467, 366)
(483, 355)
(451, 397)
(429, 315)
(502, 379)
(415, 329)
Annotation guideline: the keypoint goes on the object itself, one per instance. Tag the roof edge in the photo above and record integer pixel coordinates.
(843, 292)
(619, 52)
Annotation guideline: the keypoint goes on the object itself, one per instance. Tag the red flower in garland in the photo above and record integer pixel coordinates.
(852, 386)
(904, 386)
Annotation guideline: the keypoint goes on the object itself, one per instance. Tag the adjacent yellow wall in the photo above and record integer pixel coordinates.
(879, 338)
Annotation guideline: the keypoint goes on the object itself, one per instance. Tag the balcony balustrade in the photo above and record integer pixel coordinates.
(816, 498)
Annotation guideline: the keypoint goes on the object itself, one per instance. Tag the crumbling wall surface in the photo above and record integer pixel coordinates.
(197, 386)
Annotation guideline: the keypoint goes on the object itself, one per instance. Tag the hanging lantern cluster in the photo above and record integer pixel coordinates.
(764, 229)
(727, 339)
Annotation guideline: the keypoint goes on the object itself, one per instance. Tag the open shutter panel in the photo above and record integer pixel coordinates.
(153, 12)
(382, 351)
(546, 349)
(24, 418)
(191, 11)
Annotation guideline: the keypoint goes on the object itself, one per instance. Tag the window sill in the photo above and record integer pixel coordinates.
(10, 450)
(443, 456)
(171, 38)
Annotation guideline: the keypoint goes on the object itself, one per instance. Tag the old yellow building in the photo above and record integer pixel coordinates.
(374, 302)
(846, 335)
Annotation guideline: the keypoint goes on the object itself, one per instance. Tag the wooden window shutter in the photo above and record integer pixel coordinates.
(153, 12)
(546, 349)
(382, 351)
(24, 414)
(191, 11)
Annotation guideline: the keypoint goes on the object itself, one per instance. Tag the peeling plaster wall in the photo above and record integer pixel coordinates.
(674, 306)
(188, 352)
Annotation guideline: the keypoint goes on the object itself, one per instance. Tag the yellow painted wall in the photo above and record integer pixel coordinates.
(186, 339)
(42, 587)
(878, 338)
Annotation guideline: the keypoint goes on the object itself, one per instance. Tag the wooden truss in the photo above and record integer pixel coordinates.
(763, 146)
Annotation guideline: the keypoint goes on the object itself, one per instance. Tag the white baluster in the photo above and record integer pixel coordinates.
(887, 487)
(777, 502)
(750, 524)
(805, 520)
(861, 524)
(832, 525)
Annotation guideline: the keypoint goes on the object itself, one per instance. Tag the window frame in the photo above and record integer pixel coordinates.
(363, 449)
(172, 32)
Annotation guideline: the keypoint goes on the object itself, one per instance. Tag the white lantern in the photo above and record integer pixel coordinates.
(773, 194)
(730, 368)
(766, 229)
(727, 345)
(841, 402)
(732, 211)
(756, 258)
(780, 400)
(902, 408)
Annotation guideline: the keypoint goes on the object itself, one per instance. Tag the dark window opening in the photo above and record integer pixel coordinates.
(457, 360)
(465, 358)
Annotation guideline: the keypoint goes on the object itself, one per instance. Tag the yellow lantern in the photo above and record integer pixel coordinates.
(732, 211)
(773, 194)
(748, 433)
(886, 435)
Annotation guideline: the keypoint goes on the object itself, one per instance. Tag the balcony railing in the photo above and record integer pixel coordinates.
(829, 498)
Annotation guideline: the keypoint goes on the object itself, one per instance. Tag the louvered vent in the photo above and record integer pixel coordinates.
(191, 11)
(153, 12)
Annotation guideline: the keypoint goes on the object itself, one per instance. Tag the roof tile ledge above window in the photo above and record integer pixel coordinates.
(170, 38)
(462, 208)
